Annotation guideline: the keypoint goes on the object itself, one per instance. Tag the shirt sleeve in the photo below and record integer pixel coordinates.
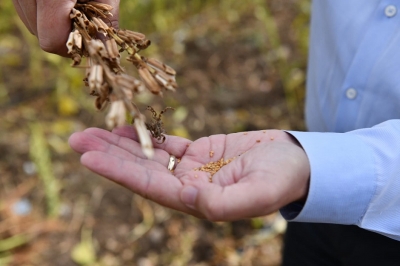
(355, 179)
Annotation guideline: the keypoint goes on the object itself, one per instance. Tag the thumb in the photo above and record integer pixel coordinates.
(237, 201)
(54, 24)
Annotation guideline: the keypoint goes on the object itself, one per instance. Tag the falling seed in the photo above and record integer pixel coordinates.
(258, 141)
(211, 153)
(196, 176)
(245, 133)
(272, 138)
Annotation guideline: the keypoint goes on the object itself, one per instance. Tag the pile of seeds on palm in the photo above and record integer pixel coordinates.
(94, 38)
(213, 167)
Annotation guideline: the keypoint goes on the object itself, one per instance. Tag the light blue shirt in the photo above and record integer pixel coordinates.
(353, 89)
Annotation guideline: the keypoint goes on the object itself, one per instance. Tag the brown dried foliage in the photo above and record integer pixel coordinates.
(93, 37)
(156, 126)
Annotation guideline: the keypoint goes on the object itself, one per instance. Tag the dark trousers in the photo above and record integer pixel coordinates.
(328, 244)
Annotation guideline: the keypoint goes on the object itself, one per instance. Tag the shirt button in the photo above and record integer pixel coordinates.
(351, 93)
(390, 11)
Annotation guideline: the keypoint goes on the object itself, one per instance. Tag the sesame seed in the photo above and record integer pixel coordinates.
(214, 167)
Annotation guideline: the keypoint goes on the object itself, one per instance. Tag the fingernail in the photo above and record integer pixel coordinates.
(189, 195)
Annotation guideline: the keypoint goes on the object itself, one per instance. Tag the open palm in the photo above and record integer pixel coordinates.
(269, 170)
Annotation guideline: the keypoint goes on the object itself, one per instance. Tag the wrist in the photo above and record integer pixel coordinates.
(303, 173)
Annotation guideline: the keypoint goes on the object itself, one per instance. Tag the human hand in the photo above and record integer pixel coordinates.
(271, 171)
(49, 21)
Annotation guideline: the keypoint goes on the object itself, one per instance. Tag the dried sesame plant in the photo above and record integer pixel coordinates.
(93, 37)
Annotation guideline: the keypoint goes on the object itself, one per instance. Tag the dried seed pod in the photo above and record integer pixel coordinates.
(149, 80)
(130, 83)
(104, 74)
(70, 42)
(77, 39)
(116, 115)
(136, 36)
(81, 21)
(115, 66)
(159, 65)
(100, 102)
(88, 65)
(96, 78)
(126, 86)
(97, 47)
(170, 82)
(85, 19)
(104, 25)
(91, 29)
(165, 83)
(112, 33)
(105, 89)
(101, 6)
(144, 137)
(143, 44)
(125, 38)
(99, 25)
(112, 48)
(75, 14)
(76, 59)
(137, 62)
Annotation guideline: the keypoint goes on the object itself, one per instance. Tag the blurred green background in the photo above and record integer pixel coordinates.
(241, 66)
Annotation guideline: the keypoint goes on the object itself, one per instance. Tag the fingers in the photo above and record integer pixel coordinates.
(54, 24)
(27, 12)
(124, 143)
(173, 145)
(148, 178)
(123, 148)
(158, 186)
(50, 22)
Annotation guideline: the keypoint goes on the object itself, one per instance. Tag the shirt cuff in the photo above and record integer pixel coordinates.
(342, 180)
